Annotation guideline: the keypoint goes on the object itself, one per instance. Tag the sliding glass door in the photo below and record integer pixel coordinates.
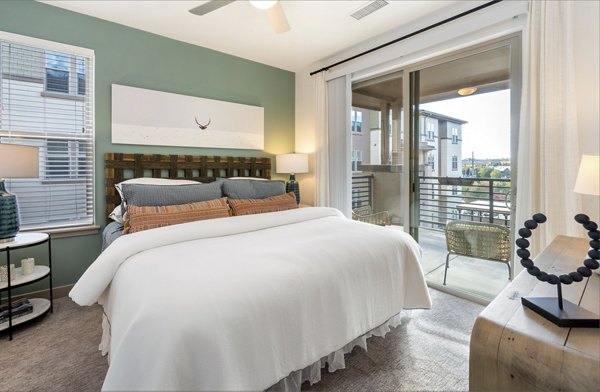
(463, 117)
(377, 135)
(435, 143)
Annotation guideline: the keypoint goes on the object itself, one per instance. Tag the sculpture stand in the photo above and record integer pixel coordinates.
(562, 312)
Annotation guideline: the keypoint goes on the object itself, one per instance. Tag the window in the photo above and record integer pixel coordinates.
(430, 131)
(65, 160)
(454, 131)
(454, 162)
(454, 190)
(356, 159)
(356, 121)
(65, 74)
(80, 68)
(431, 160)
(34, 111)
(57, 72)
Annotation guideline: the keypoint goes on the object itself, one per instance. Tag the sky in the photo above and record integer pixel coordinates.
(487, 132)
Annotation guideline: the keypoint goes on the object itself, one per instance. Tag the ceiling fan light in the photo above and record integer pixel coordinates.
(463, 92)
(263, 4)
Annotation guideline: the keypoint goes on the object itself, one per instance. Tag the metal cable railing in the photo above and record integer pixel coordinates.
(472, 199)
(362, 191)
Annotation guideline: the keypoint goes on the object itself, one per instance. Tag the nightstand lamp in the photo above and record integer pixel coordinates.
(588, 177)
(292, 164)
(16, 161)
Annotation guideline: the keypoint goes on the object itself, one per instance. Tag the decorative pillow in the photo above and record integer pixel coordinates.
(252, 189)
(258, 206)
(151, 217)
(165, 195)
(153, 181)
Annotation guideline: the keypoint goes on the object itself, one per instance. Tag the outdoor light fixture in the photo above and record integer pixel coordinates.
(467, 91)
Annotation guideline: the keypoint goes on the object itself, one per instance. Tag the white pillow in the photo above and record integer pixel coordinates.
(117, 215)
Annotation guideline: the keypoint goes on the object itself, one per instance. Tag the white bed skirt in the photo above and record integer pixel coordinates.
(336, 361)
(311, 373)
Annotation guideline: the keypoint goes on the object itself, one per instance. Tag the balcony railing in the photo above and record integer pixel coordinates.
(474, 199)
(362, 191)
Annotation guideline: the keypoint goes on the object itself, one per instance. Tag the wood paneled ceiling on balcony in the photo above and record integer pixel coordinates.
(488, 71)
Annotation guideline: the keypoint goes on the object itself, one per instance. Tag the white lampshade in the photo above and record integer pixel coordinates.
(588, 178)
(17, 161)
(291, 163)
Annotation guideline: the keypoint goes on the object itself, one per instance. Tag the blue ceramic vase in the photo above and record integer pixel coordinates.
(9, 214)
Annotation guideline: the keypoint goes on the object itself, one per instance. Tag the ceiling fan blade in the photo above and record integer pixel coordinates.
(278, 20)
(210, 6)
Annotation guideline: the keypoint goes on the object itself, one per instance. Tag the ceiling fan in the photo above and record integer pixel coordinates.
(273, 8)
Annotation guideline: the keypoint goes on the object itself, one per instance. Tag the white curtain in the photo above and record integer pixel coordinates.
(333, 164)
(322, 141)
(548, 156)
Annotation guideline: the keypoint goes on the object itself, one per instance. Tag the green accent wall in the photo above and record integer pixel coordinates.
(136, 58)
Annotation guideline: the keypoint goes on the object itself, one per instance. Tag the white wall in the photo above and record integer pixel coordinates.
(587, 78)
(305, 133)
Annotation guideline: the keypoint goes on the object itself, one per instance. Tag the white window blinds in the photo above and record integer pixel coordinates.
(47, 101)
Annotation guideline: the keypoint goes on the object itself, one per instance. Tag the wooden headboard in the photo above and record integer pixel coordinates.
(119, 167)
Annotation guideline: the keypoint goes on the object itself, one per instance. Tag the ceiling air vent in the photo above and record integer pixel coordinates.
(368, 9)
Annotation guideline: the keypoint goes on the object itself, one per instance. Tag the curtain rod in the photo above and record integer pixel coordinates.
(408, 35)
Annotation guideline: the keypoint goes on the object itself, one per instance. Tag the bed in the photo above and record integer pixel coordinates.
(249, 302)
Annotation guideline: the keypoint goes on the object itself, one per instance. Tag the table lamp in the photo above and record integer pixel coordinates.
(292, 164)
(16, 161)
(588, 177)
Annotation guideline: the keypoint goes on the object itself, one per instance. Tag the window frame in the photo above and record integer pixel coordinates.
(454, 131)
(356, 128)
(84, 225)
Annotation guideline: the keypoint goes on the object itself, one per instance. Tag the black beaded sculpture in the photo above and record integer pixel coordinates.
(566, 314)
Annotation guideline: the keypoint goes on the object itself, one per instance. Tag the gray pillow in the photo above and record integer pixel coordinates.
(252, 189)
(166, 195)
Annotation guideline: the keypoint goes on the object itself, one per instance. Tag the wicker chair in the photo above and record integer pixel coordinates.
(365, 214)
(480, 240)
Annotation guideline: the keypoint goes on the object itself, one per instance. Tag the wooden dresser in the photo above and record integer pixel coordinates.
(513, 348)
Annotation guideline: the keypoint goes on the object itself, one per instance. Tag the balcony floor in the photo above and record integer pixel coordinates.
(478, 277)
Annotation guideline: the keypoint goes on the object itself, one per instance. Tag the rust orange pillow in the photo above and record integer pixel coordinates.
(259, 206)
(151, 217)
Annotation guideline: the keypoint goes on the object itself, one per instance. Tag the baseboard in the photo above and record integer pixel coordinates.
(57, 292)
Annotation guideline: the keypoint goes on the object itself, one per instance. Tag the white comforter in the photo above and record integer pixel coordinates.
(238, 303)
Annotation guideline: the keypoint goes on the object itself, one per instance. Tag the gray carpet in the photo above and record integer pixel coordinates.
(57, 352)
(429, 351)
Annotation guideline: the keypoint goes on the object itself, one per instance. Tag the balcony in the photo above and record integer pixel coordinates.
(442, 199)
